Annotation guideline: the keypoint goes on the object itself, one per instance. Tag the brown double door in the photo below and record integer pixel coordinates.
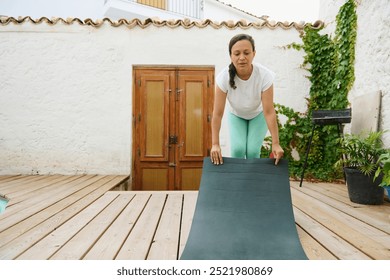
(172, 127)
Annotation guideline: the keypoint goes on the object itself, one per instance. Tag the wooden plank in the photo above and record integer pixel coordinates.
(356, 205)
(108, 246)
(189, 205)
(50, 244)
(22, 189)
(356, 232)
(25, 225)
(33, 191)
(375, 216)
(136, 246)
(6, 187)
(16, 181)
(36, 192)
(71, 206)
(339, 247)
(39, 202)
(165, 243)
(76, 248)
(339, 192)
(313, 249)
(9, 178)
(354, 222)
(335, 191)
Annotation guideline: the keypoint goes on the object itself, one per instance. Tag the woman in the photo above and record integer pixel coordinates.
(249, 89)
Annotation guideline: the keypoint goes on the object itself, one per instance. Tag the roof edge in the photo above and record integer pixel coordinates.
(185, 23)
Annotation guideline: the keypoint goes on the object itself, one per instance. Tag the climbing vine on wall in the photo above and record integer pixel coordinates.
(330, 63)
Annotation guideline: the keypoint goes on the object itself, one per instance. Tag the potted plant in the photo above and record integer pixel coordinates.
(384, 171)
(360, 162)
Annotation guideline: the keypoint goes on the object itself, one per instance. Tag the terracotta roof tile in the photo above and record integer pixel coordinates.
(185, 23)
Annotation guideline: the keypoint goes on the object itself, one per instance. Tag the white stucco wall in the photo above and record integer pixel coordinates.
(372, 65)
(66, 90)
(372, 68)
(328, 12)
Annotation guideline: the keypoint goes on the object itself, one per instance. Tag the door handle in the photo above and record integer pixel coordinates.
(172, 139)
(172, 164)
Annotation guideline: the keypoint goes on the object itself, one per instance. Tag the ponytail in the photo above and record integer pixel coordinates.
(232, 75)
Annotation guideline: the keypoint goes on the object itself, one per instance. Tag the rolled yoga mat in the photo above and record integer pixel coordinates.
(244, 212)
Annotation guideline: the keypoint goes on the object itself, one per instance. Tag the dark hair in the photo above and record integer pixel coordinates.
(232, 69)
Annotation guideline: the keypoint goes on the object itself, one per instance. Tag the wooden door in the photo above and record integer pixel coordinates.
(172, 127)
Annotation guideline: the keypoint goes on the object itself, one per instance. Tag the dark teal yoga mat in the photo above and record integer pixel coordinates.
(244, 212)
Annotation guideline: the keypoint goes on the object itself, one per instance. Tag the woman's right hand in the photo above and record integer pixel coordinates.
(216, 155)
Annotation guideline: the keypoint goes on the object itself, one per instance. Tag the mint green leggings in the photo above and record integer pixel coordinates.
(247, 136)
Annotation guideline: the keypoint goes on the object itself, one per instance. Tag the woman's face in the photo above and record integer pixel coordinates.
(242, 55)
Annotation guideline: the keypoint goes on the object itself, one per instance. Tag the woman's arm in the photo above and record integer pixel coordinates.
(219, 108)
(267, 99)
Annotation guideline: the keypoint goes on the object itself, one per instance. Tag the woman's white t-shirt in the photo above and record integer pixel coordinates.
(245, 100)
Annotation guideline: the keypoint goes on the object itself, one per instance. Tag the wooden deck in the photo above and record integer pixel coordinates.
(83, 217)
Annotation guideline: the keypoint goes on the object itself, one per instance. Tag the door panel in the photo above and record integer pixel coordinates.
(194, 112)
(151, 152)
(190, 178)
(193, 119)
(155, 132)
(172, 129)
(155, 179)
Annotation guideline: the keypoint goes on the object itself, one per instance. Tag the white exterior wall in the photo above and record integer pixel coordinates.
(66, 90)
(372, 65)
(328, 12)
(372, 68)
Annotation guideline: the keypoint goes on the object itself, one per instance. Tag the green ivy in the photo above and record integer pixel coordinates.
(330, 63)
(345, 41)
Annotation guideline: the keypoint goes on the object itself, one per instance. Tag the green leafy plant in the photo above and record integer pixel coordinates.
(293, 137)
(384, 168)
(361, 152)
(330, 63)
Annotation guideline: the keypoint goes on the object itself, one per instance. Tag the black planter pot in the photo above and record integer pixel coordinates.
(362, 189)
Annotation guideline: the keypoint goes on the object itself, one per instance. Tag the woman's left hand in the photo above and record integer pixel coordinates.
(277, 152)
